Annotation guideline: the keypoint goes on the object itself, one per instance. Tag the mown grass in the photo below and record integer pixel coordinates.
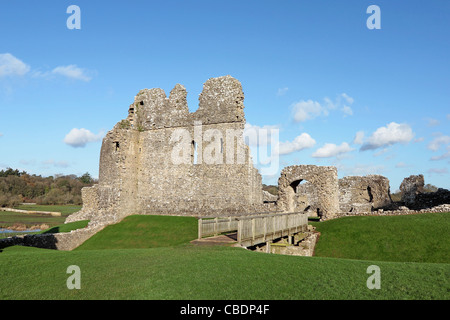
(165, 268)
(408, 238)
(193, 272)
(139, 231)
(66, 227)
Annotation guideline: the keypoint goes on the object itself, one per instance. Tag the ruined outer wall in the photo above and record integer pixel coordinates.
(324, 179)
(363, 193)
(411, 187)
(138, 174)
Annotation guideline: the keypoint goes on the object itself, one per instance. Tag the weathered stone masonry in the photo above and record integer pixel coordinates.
(323, 201)
(137, 172)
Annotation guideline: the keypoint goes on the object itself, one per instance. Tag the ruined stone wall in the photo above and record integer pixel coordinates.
(59, 241)
(308, 198)
(164, 160)
(411, 187)
(415, 197)
(90, 205)
(325, 182)
(363, 193)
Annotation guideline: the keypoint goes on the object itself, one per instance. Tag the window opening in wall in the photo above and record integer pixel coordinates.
(117, 145)
(369, 191)
(194, 152)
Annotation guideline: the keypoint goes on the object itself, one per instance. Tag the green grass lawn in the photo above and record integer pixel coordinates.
(139, 231)
(408, 238)
(172, 268)
(66, 227)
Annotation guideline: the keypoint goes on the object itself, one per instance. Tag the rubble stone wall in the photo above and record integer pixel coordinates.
(364, 193)
(325, 182)
(164, 160)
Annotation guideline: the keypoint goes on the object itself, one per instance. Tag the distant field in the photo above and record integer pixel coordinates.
(8, 219)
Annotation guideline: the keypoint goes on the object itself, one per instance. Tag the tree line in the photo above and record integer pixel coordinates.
(19, 186)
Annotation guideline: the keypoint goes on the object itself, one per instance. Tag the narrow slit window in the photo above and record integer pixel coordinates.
(194, 153)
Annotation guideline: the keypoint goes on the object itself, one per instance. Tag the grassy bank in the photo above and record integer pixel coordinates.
(144, 232)
(150, 257)
(408, 238)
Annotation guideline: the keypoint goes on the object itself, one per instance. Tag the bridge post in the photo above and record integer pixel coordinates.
(268, 247)
(216, 223)
(200, 228)
(253, 228)
(239, 231)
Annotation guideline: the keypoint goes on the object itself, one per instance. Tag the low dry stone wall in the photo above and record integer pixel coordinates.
(50, 213)
(58, 241)
(400, 211)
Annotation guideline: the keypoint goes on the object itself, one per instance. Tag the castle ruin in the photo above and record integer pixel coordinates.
(163, 159)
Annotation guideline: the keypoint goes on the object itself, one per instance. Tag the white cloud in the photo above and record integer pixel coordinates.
(391, 134)
(402, 165)
(57, 164)
(438, 141)
(282, 91)
(331, 150)
(359, 138)
(438, 170)
(419, 140)
(11, 66)
(432, 122)
(78, 138)
(72, 72)
(300, 142)
(347, 98)
(448, 116)
(381, 152)
(446, 155)
(347, 110)
(307, 110)
(1, 134)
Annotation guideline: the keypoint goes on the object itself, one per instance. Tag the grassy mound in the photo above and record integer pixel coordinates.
(140, 231)
(408, 238)
(66, 227)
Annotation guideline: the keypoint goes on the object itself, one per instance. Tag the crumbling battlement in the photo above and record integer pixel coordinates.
(164, 160)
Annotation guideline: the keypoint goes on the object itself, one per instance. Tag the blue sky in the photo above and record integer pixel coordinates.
(366, 101)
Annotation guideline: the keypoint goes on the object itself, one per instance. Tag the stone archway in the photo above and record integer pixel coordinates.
(325, 182)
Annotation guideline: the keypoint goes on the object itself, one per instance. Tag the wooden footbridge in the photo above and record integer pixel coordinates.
(255, 229)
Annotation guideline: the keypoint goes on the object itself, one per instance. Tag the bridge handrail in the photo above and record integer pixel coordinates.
(219, 225)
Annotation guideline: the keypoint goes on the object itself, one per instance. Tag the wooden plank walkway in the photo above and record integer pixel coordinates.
(224, 239)
(252, 230)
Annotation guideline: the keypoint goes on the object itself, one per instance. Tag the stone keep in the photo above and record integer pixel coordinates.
(162, 159)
